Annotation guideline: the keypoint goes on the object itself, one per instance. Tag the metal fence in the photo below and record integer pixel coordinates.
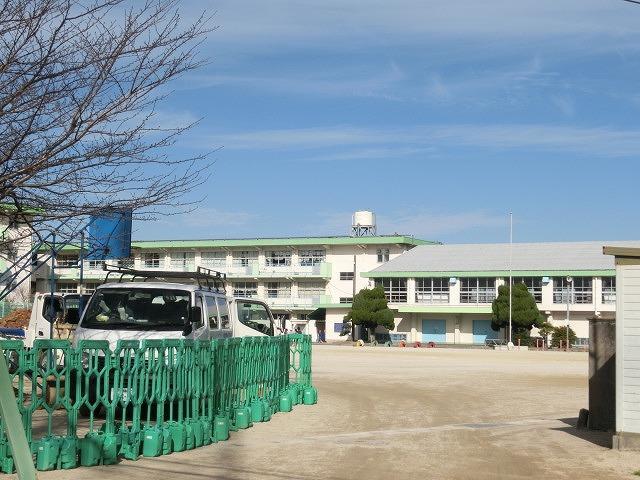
(90, 405)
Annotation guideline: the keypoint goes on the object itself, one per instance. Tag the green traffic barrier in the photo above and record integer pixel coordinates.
(149, 398)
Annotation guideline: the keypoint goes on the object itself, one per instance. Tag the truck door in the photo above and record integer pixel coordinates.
(253, 319)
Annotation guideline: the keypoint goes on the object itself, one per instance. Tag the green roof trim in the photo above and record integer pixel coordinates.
(273, 242)
(280, 242)
(443, 309)
(493, 273)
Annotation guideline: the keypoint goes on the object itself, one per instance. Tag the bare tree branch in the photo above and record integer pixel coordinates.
(79, 86)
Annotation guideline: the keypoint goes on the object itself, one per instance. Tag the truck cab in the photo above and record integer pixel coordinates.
(170, 305)
(54, 319)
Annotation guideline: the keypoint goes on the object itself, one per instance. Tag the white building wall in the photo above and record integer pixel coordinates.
(628, 349)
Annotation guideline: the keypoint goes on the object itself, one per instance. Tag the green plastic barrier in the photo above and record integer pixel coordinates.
(92, 406)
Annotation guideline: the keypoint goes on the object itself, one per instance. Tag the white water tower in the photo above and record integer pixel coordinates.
(363, 224)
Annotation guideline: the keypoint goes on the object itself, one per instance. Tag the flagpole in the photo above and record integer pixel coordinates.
(510, 273)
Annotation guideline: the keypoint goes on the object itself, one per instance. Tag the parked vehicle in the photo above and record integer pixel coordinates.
(55, 319)
(174, 305)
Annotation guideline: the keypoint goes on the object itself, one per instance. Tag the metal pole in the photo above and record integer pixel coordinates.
(569, 294)
(510, 273)
(353, 327)
(52, 287)
(81, 285)
(13, 425)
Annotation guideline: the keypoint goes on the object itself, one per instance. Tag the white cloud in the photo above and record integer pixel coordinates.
(288, 24)
(595, 141)
(343, 82)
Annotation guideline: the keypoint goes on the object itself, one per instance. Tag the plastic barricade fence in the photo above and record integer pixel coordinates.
(90, 405)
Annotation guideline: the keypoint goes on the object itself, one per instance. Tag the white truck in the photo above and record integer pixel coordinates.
(163, 309)
(149, 305)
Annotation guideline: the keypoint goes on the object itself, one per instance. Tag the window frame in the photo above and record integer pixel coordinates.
(347, 276)
(311, 257)
(480, 290)
(395, 289)
(533, 284)
(383, 255)
(278, 258)
(432, 290)
(240, 289)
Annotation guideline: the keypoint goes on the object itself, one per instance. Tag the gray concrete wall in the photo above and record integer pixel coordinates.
(602, 374)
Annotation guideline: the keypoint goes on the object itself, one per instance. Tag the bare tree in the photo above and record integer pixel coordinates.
(79, 86)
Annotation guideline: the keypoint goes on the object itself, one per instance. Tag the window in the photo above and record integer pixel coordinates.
(67, 287)
(223, 310)
(303, 316)
(198, 322)
(383, 255)
(477, 290)
(395, 289)
(95, 264)
(278, 289)
(534, 285)
(244, 258)
(346, 275)
(432, 290)
(147, 309)
(339, 327)
(90, 287)
(213, 259)
(67, 260)
(311, 257)
(182, 260)
(278, 258)
(609, 290)
(255, 316)
(311, 289)
(580, 288)
(58, 310)
(346, 299)
(212, 312)
(245, 289)
(151, 260)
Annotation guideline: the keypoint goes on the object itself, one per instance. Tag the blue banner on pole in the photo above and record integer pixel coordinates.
(110, 235)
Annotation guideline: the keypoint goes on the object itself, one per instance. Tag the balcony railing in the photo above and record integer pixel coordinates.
(320, 269)
(608, 296)
(432, 297)
(292, 302)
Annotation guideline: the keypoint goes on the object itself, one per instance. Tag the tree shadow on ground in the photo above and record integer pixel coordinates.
(597, 437)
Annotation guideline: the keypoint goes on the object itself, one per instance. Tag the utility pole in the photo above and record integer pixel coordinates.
(569, 295)
(510, 273)
(353, 296)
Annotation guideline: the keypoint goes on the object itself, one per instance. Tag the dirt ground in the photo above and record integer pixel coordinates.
(412, 413)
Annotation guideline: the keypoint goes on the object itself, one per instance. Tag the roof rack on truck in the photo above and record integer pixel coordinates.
(206, 278)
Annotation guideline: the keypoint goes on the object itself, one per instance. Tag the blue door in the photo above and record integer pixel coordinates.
(482, 330)
(434, 331)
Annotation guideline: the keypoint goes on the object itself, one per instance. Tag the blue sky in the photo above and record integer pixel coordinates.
(440, 116)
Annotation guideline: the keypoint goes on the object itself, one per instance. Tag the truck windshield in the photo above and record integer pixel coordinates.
(137, 309)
